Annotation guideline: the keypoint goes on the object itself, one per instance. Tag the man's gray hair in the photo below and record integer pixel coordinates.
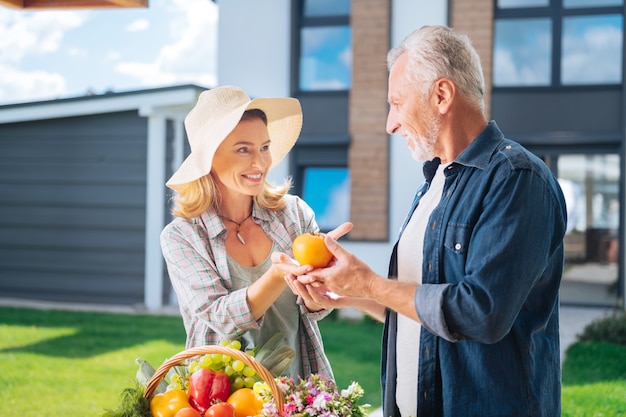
(436, 52)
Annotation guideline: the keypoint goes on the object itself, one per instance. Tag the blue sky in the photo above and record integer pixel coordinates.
(58, 54)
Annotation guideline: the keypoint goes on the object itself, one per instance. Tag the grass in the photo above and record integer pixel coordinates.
(594, 380)
(58, 363)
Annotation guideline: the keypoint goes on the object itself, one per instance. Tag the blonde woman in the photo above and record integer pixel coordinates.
(227, 248)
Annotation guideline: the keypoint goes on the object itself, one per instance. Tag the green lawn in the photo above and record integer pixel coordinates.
(57, 363)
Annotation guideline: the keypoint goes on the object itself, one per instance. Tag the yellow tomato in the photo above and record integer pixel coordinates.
(310, 249)
(168, 403)
(246, 402)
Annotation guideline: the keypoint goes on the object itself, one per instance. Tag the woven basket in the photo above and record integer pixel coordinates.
(203, 350)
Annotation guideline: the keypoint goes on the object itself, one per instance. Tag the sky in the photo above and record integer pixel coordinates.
(60, 54)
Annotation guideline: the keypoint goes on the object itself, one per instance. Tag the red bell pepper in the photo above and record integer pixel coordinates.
(206, 387)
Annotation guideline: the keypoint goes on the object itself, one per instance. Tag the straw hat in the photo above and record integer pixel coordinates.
(216, 114)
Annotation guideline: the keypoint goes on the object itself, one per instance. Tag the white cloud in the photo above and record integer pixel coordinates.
(190, 56)
(23, 33)
(32, 33)
(138, 25)
(20, 86)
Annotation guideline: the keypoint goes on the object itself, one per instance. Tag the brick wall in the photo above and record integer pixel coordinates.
(475, 19)
(369, 150)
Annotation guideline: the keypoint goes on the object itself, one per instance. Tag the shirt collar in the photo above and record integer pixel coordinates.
(479, 152)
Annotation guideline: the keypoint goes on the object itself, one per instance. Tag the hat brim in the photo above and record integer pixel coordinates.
(284, 123)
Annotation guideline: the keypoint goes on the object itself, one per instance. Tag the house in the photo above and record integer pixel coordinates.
(83, 197)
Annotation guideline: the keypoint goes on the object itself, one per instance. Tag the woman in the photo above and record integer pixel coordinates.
(227, 248)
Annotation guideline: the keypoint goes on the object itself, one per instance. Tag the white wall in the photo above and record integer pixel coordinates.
(253, 53)
(254, 44)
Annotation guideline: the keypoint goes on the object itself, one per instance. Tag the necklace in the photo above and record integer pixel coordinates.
(243, 242)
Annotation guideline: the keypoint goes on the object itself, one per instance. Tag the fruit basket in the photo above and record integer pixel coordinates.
(177, 359)
(177, 385)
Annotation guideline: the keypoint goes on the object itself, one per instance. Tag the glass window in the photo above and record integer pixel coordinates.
(587, 41)
(522, 3)
(327, 191)
(522, 52)
(325, 58)
(314, 8)
(591, 3)
(557, 43)
(590, 185)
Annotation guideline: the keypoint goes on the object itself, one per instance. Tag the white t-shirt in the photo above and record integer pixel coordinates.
(410, 257)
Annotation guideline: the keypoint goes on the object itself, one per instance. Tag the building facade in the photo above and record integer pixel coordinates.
(554, 82)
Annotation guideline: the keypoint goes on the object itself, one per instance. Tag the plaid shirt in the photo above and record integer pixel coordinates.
(195, 254)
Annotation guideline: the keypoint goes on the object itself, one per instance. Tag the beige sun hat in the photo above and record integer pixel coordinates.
(216, 114)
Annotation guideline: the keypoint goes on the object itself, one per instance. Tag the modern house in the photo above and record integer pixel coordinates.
(555, 83)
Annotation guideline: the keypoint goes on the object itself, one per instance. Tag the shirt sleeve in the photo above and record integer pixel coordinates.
(203, 290)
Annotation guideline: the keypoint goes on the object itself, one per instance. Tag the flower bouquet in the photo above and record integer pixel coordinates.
(315, 396)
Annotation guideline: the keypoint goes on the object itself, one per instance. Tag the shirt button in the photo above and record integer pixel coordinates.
(508, 147)
(434, 225)
(419, 194)
(457, 246)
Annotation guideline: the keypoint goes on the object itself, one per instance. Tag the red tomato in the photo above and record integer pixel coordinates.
(220, 410)
(187, 412)
(206, 387)
(310, 249)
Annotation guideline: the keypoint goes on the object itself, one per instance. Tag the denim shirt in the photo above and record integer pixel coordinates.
(493, 260)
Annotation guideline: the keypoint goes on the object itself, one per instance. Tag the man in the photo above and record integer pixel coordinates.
(471, 302)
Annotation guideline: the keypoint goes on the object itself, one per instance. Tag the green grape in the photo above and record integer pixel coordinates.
(229, 370)
(238, 383)
(249, 382)
(205, 361)
(250, 352)
(226, 359)
(248, 371)
(235, 344)
(193, 367)
(224, 342)
(238, 365)
(175, 378)
(172, 386)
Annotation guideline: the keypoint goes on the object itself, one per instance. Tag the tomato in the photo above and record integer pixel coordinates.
(188, 412)
(168, 403)
(246, 402)
(310, 249)
(220, 410)
(206, 387)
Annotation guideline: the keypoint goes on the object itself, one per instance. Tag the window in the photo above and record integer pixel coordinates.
(327, 191)
(321, 80)
(325, 46)
(590, 184)
(546, 43)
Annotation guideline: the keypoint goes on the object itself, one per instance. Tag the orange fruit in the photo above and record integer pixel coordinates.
(310, 249)
(246, 402)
